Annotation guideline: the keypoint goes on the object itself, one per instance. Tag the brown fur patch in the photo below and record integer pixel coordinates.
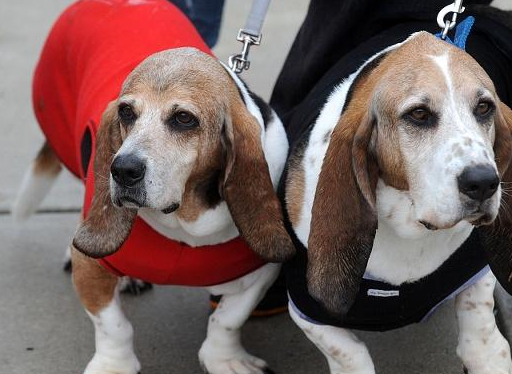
(248, 189)
(295, 187)
(343, 225)
(202, 187)
(201, 193)
(94, 285)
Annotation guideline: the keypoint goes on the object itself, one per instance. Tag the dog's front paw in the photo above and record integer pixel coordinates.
(489, 354)
(105, 365)
(218, 360)
(134, 286)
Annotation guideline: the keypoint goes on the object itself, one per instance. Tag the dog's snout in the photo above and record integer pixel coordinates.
(478, 182)
(127, 170)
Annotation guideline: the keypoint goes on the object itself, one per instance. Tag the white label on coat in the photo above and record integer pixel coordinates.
(383, 293)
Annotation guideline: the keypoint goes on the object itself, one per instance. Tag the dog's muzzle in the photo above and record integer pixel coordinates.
(128, 170)
(479, 182)
(128, 174)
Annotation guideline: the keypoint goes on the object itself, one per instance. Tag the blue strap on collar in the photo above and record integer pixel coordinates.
(462, 32)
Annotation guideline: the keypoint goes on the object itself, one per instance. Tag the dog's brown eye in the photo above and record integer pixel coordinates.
(183, 120)
(126, 113)
(184, 117)
(483, 108)
(420, 115)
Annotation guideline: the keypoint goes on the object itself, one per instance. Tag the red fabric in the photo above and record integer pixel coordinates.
(91, 49)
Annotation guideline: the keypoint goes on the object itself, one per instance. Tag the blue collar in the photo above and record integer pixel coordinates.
(462, 32)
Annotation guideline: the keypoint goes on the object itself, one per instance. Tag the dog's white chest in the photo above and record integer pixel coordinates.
(213, 226)
(404, 250)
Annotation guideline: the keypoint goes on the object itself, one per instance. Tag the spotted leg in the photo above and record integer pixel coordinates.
(222, 351)
(345, 353)
(98, 291)
(481, 347)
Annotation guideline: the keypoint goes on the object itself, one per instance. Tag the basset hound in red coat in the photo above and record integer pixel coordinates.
(179, 160)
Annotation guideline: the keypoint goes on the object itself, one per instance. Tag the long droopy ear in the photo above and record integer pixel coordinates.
(497, 238)
(106, 226)
(344, 220)
(248, 188)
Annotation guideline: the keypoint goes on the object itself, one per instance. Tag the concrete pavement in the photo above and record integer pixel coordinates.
(44, 330)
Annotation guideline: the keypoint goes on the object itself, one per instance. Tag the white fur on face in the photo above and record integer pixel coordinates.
(169, 159)
(435, 159)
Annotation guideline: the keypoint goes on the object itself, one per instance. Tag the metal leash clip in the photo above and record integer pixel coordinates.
(249, 35)
(240, 61)
(456, 8)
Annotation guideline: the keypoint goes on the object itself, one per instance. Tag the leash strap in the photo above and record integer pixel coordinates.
(250, 35)
(256, 16)
(461, 33)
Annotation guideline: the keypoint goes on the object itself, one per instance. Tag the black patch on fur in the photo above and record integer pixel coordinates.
(362, 74)
(265, 109)
(85, 150)
(208, 189)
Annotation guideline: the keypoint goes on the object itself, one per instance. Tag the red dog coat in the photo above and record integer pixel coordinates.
(90, 51)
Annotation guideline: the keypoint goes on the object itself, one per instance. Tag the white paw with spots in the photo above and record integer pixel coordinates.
(101, 364)
(491, 355)
(235, 360)
(482, 348)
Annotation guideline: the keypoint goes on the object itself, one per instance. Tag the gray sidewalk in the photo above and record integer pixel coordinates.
(43, 328)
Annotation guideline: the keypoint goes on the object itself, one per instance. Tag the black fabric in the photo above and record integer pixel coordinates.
(334, 41)
(337, 37)
(86, 150)
(331, 30)
(414, 302)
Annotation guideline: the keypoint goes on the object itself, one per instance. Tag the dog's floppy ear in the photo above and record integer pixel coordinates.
(106, 226)
(497, 238)
(344, 220)
(248, 188)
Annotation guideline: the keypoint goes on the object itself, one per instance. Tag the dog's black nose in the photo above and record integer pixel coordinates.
(478, 182)
(127, 170)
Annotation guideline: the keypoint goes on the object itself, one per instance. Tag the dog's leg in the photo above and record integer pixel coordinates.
(127, 285)
(345, 353)
(222, 351)
(481, 347)
(37, 182)
(99, 293)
